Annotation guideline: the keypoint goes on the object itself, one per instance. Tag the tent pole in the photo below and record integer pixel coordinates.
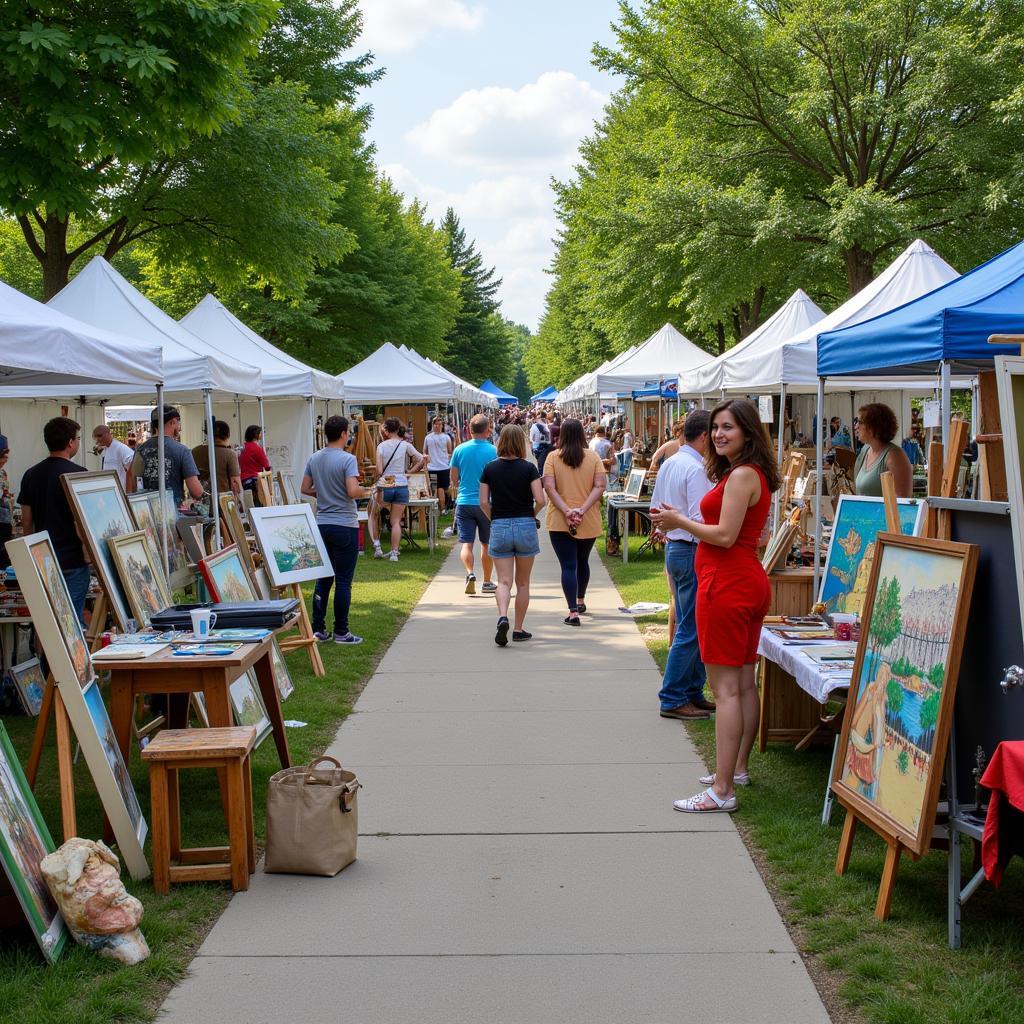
(780, 444)
(312, 421)
(161, 476)
(263, 429)
(947, 412)
(819, 454)
(212, 454)
(974, 409)
(238, 416)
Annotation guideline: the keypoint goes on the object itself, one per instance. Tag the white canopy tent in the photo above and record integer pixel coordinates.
(575, 392)
(389, 377)
(466, 392)
(99, 295)
(665, 355)
(290, 386)
(793, 317)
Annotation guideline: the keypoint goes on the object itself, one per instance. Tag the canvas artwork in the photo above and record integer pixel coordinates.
(102, 512)
(635, 483)
(191, 534)
(282, 677)
(112, 752)
(145, 505)
(225, 576)
(24, 842)
(293, 550)
(60, 602)
(851, 550)
(248, 705)
(286, 488)
(143, 579)
(28, 678)
(419, 485)
(904, 678)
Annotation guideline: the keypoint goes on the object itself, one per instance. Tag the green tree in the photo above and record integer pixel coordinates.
(96, 93)
(894, 696)
(929, 717)
(477, 344)
(870, 122)
(886, 620)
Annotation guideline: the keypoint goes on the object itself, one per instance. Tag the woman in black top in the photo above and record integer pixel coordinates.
(511, 496)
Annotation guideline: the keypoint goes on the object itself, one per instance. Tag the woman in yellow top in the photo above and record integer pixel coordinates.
(575, 479)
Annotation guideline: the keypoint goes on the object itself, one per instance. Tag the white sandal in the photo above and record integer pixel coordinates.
(743, 779)
(696, 804)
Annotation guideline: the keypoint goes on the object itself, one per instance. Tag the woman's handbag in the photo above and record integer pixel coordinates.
(312, 819)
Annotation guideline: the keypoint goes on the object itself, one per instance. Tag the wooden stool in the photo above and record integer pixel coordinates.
(228, 751)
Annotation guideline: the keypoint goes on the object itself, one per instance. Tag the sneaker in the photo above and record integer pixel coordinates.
(348, 638)
(520, 635)
(377, 553)
(393, 557)
(448, 532)
(470, 583)
(321, 636)
(501, 636)
(489, 588)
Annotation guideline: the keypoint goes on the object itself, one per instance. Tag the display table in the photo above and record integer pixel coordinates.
(621, 504)
(428, 505)
(210, 675)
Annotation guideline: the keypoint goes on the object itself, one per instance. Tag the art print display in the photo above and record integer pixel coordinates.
(231, 514)
(143, 580)
(24, 842)
(419, 485)
(286, 489)
(282, 677)
(63, 645)
(851, 550)
(191, 533)
(102, 512)
(896, 728)
(30, 683)
(293, 550)
(149, 515)
(225, 576)
(248, 705)
(635, 483)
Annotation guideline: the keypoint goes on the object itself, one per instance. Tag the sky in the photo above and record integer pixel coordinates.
(481, 105)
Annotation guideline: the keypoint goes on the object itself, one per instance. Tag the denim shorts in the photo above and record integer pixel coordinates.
(469, 519)
(514, 537)
(395, 496)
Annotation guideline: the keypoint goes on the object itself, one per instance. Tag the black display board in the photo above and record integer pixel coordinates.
(984, 714)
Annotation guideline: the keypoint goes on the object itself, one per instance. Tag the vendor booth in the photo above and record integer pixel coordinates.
(549, 394)
(503, 397)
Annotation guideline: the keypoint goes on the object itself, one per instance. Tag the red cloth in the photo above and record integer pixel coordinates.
(1004, 776)
(252, 459)
(733, 594)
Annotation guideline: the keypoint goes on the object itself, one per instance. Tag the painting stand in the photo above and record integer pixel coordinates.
(305, 636)
(265, 488)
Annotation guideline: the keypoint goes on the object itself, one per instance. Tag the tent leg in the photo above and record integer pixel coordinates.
(947, 411)
(312, 421)
(212, 455)
(780, 444)
(819, 454)
(161, 476)
(263, 429)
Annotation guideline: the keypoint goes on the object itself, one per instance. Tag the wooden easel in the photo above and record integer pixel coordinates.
(305, 636)
(265, 488)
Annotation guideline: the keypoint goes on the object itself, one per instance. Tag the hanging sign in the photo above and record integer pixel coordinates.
(764, 407)
(932, 412)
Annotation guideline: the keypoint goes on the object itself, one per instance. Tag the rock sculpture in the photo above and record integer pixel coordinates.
(85, 879)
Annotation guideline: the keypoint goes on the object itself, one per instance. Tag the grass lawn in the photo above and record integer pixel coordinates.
(899, 972)
(85, 989)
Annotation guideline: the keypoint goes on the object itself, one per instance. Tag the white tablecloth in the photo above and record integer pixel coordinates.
(806, 671)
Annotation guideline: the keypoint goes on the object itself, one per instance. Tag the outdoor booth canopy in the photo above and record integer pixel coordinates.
(388, 377)
(503, 397)
(662, 357)
(547, 395)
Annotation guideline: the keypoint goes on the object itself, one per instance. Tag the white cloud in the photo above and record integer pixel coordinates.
(393, 26)
(538, 126)
(514, 195)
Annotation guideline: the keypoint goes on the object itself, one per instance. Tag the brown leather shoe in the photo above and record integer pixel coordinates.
(704, 705)
(685, 713)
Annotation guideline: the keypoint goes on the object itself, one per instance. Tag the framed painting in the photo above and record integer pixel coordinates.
(419, 485)
(191, 534)
(282, 677)
(248, 705)
(30, 684)
(232, 516)
(226, 578)
(63, 644)
(635, 483)
(102, 512)
(851, 550)
(143, 580)
(889, 762)
(286, 488)
(148, 516)
(24, 842)
(293, 550)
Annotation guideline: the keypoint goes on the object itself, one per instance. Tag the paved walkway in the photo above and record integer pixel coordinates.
(520, 860)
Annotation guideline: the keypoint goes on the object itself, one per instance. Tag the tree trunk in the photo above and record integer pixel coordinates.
(860, 268)
(720, 336)
(51, 251)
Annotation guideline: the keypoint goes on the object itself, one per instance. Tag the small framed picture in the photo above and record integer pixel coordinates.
(143, 580)
(286, 488)
(226, 577)
(28, 678)
(635, 483)
(282, 677)
(419, 485)
(248, 705)
(293, 550)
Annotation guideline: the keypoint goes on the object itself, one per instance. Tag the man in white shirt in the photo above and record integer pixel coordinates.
(439, 449)
(115, 455)
(681, 483)
(540, 440)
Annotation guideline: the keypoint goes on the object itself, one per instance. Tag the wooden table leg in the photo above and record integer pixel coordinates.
(218, 713)
(250, 842)
(174, 813)
(159, 816)
(122, 709)
(268, 690)
(237, 832)
(765, 724)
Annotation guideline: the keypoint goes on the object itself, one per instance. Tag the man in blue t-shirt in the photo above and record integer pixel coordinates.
(468, 461)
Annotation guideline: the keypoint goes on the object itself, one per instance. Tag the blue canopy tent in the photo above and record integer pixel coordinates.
(943, 331)
(668, 390)
(503, 397)
(547, 395)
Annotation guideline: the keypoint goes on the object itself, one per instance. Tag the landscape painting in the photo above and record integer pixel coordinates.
(28, 678)
(851, 550)
(225, 576)
(24, 842)
(293, 549)
(901, 695)
(248, 705)
(142, 578)
(282, 677)
(112, 752)
(145, 505)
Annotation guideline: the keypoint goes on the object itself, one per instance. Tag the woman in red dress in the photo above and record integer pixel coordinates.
(732, 588)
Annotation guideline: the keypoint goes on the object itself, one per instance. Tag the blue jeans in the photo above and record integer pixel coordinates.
(684, 671)
(573, 554)
(342, 543)
(78, 586)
